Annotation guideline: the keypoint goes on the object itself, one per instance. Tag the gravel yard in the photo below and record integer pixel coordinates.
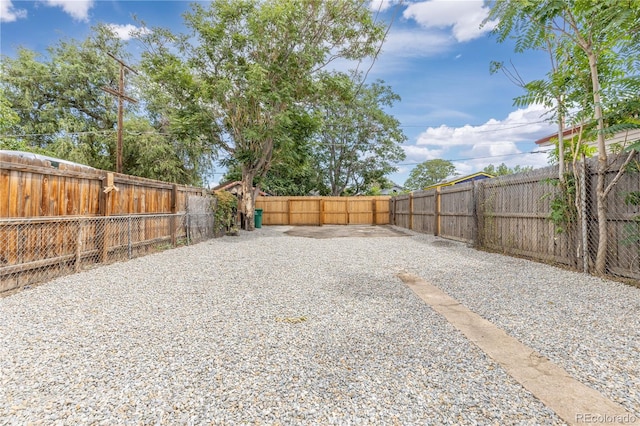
(267, 328)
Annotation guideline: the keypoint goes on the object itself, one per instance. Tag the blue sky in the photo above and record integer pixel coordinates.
(435, 57)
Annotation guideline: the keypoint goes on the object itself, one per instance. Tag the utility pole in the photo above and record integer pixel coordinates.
(121, 98)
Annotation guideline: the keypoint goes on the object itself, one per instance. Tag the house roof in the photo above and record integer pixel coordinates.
(459, 179)
(621, 137)
(547, 139)
(226, 185)
(229, 186)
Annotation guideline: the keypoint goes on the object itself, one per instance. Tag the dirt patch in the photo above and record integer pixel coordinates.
(342, 231)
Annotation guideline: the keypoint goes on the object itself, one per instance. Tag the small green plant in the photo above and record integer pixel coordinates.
(562, 203)
(226, 206)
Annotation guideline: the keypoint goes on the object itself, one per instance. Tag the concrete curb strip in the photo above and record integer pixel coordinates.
(572, 401)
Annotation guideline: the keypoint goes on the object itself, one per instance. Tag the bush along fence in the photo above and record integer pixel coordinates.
(57, 219)
(537, 216)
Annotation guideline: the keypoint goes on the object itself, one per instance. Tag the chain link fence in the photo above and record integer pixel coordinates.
(539, 216)
(38, 249)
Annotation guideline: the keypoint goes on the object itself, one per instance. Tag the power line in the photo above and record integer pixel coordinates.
(63, 133)
(510, 126)
(484, 158)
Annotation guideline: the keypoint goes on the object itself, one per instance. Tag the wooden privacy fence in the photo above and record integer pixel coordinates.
(324, 210)
(512, 215)
(35, 188)
(58, 218)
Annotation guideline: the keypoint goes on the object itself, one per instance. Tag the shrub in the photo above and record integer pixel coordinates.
(225, 211)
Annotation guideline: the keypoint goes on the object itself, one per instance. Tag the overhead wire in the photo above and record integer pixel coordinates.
(485, 157)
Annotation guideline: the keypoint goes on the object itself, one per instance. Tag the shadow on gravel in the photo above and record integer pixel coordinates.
(342, 231)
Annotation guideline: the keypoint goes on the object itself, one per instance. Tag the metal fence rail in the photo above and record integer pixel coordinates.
(38, 249)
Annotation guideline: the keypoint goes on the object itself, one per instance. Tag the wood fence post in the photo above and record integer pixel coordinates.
(373, 209)
(104, 206)
(436, 227)
(79, 246)
(411, 210)
(289, 211)
(474, 212)
(174, 210)
(321, 202)
(346, 208)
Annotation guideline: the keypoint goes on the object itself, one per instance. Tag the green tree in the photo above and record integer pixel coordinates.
(428, 173)
(62, 107)
(604, 36)
(292, 171)
(8, 126)
(358, 142)
(59, 96)
(248, 68)
(503, 169)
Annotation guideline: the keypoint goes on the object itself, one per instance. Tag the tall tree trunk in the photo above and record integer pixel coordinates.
(560, 140)
(601, 197)
(247, 200)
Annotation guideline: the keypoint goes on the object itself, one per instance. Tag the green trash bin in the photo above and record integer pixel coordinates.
(257, 218)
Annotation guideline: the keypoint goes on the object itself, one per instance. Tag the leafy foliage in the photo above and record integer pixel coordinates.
(60, 95)
(563, 213)
(428, 173)
(595, 48)
(503, 169)
(8, 125)
(225, 211)
(358, 142)
(247, 71)
(62, 111)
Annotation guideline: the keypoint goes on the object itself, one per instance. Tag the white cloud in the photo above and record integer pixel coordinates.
(125, 32)
(472, 148)
(8, 13)
(418, 154)
(526, 124)
(380, 5)
(78, 9)
(464, 17)
(416, 43)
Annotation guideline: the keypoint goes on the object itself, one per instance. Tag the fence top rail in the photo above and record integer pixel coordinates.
(327, 198)
(45, 167)
(48, 170)
(462, 187)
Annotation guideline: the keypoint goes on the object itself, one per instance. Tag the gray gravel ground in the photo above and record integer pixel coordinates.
(266, 328)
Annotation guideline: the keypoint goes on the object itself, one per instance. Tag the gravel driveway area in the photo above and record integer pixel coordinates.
(267, 328)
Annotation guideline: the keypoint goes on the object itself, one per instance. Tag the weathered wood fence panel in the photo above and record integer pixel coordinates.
(455, 206)
(401, 210)
(423, 210)
(324, 210)
(57, 218)
(515, 218)
(511, 214)
(34, 188)
(623, 224)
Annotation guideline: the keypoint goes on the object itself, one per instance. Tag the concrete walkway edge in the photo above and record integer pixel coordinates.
(571, 400)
